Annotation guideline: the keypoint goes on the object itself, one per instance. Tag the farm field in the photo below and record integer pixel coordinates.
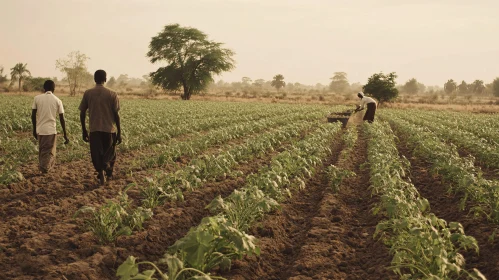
(271, 191)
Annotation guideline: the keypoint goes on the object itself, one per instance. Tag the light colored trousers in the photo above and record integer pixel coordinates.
(46, 151)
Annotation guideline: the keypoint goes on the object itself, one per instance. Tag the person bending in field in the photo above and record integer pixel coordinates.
(368, 102)
(45, 109)
(105, 129)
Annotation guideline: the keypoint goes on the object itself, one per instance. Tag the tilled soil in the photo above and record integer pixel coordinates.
(39, 238)
(446, 206)
(319, 234)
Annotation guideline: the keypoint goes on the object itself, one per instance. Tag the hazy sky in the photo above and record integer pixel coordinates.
(306, 41)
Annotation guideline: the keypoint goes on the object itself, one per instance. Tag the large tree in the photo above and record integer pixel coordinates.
(495, 87)
(412, 86)
(75, 68)
(3, 78)
(339, 82)
(450, 86)
(192, 59)
(18, 73)
(278, 82)
(463, 88)
(477, 86)
(382, 87)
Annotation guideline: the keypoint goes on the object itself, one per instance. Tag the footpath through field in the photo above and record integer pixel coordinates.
(320, 234)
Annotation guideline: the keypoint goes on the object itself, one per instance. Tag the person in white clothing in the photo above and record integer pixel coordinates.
(371, 105)
(45, 109)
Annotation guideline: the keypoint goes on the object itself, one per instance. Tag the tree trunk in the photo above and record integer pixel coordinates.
(19, 84)
(187, 93)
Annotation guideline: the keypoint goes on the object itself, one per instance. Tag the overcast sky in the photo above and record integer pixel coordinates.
(306, 41)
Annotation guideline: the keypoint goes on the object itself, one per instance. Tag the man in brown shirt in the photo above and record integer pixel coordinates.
(105, 129)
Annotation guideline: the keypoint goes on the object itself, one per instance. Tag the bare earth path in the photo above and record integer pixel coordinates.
(319, 234)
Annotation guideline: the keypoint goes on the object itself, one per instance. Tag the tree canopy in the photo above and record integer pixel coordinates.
(192, 59)
(382, 87)
(463, 88)
(278, 82)
(477, 87)
(412, 86)
(495, 87)
(339, 82)
(75, 68)
(450, 86)
(3, 78)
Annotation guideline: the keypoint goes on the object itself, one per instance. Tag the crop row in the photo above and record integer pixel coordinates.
(486, 152)
(460, 172)
(484, 126)
(107, 225)
(423, 246)
(15, 150)
(222, 237)
(174, 149)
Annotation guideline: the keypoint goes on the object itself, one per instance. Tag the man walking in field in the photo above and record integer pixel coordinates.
(371, 105)
(105, 129)
(45, 109)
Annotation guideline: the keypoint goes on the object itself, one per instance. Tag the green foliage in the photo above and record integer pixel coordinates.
(221, 238)
(75, 68)
(382, 87)
(423, 246)
(34, 84)
(411, 86)
(463, 88)
(477, 87)
(278, 82)
(19, 73)
(495, 87)
(339, 82)
(111, 82)
(2, 77)
(450, 86)
(192, 59)
(115, 218)
(460, 171)
(336, 176)
(243, 207)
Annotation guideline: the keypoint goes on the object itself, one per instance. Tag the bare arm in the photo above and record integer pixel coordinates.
(117, 120)
(33, 121)
(63, 125)
(83, 115)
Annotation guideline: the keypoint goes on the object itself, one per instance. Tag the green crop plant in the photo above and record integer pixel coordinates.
(336, 176)
(115, 218)
(423, 246)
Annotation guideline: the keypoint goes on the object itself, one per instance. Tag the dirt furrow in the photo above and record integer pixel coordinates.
(63, 249)
(320, 235)
(446, 206)
(340, 244)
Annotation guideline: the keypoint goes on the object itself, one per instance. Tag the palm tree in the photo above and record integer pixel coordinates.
(278, 82)
(19, 73)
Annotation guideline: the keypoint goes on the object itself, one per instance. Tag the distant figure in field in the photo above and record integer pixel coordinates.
(368, 102)
(45, 109)
(105, 129)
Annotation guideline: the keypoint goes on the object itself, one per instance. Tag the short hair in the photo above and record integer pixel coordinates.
(100, 76)
(360, 95)
(49, 85)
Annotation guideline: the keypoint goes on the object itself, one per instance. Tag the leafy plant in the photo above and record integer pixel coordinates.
(337, 175)
(115, 218)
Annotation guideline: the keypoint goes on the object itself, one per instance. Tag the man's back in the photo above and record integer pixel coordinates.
(47, 106)
(102, 104)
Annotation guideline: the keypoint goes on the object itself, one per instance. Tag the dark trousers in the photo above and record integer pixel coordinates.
(371, 110)
(103, 151)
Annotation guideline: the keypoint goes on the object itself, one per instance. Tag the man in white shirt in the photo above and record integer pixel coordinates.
(46, 107)
(368, 102)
